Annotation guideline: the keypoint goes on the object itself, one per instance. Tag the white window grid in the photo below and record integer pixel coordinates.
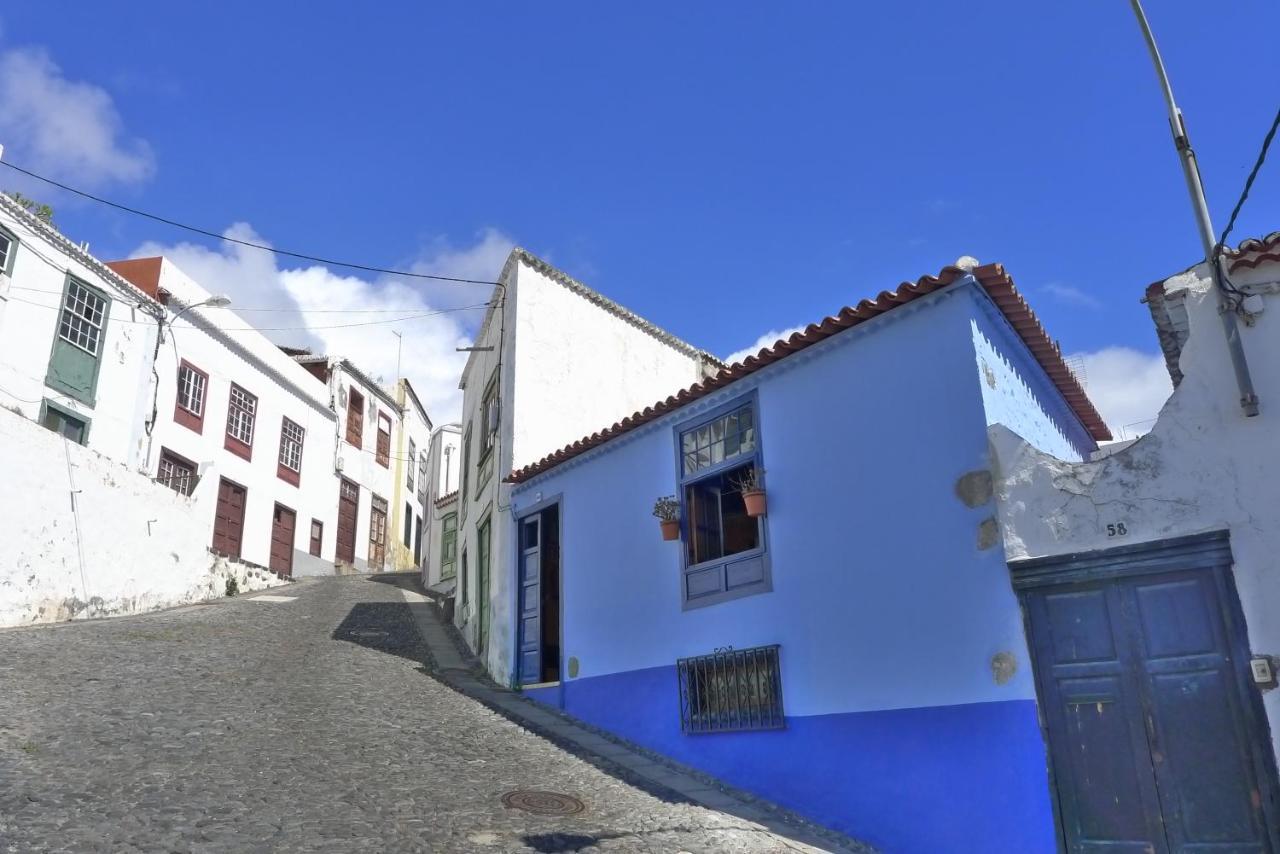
(413, 453)
(178, 477)
(240, 415)
(191, 388)
(82, 316)
(291, 436)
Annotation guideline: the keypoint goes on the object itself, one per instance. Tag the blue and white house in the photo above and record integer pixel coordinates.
(856, 653)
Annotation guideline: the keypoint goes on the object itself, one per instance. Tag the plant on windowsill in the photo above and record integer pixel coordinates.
(751, 484)
(667, 509)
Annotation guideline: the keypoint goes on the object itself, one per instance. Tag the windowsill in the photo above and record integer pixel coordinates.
(186, 418)
(240, 449)
(287, 474)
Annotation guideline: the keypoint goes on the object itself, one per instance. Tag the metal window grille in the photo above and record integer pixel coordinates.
(291, 436)
(240, 415)
(176, 475)
(82, 315)
(191, 388)
(413, 453)
(731, 690)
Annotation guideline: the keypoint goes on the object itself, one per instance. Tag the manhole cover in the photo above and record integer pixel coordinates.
(543, 803)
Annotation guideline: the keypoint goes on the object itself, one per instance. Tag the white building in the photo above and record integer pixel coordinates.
(553, 360)
(1150, 585)
(440, 550)
(240, 421)
(413, 491)
(367, 419)
(76, 339)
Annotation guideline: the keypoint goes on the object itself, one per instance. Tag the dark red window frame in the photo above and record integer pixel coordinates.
(283, 472)
(182, 415)
(355, 418)
(232, 443)
(383, 453)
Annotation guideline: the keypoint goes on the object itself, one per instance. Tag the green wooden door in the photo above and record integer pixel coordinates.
(482, 584)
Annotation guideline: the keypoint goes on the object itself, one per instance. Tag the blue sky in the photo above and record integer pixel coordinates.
(725, 171)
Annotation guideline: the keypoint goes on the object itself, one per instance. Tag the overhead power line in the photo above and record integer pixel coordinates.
(1248, 184)
(350, 265)
(238, 308)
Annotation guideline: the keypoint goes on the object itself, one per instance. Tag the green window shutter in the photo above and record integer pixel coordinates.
(78, 342)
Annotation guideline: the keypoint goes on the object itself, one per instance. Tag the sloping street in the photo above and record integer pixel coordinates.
(310, 724)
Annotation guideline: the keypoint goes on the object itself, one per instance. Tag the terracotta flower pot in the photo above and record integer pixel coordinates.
(755, 503)
(670, 529)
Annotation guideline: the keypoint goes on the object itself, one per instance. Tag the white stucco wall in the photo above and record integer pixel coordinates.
(30, 301)
(443, 463)
(360, 464)
(284, 389)
(1203, 467)
(86, 537)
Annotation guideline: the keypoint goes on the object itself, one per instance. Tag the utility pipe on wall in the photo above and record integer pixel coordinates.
(1191, 172)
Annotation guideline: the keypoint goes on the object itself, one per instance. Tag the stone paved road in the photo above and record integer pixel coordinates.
(308, 725)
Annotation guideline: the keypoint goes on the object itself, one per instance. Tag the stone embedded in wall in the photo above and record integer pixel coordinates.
(975, 488)
(1003, 666)
(988, 534)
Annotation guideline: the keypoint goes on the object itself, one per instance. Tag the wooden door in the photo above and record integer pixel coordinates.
(348, 512)
(228, 518)
(283, 526)
(530, 614)
(1155, 730)
(377, 534)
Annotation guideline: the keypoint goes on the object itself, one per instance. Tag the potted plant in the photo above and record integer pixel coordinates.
(667, 509)
(751, 484)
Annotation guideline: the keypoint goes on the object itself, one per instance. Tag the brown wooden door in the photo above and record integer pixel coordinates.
(348, 512)
(283, 526)
(377, 534)
(228, 518)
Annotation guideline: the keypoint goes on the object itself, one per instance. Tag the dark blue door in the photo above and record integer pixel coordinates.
(1156, 735)
(530, 644)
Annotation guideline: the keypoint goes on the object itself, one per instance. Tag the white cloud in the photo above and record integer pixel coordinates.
(312, 306)
(765, 340)
(64, 127)
(1127, 386)
(1072, 295)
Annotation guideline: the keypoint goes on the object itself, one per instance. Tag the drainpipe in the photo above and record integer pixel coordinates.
(1212, 251)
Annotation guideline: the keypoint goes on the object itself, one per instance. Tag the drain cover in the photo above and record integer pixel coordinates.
(543, 803)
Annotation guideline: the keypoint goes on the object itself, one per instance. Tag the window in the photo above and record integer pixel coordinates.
(383, 455)
(466, 469)
(289, 464)
(408, 525)
(355, 418)
(422, 481)
(7, 246)
(317, 537)
(177, 473)
(449, 546)
(724, 554)
(83, 314)
(62, 422)
(489, 415)
(463, 580)
(193, 384)
(75, 360)
(241, 413)
(731, 690)
(482, 584)
(409, 466)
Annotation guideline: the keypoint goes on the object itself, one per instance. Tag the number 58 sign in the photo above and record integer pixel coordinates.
(1117, 529)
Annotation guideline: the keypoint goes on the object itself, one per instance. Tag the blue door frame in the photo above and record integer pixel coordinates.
(530, 635)
(1158, 741)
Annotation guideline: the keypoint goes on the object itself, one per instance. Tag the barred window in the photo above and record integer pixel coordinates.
(191, 388)
(291, 436)
(731, 690)
(240, 415)
(82, 316)
(176, 473)
(409, 468)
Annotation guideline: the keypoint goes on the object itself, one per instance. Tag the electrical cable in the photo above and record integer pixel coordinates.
(238, 308)
(350, 265)
(1235, 296)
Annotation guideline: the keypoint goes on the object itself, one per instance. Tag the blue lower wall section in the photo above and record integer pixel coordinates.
(966, 778)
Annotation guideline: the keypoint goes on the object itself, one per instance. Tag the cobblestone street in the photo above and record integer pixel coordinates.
(304, 725)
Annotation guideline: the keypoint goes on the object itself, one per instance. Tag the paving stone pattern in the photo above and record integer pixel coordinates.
(318, 724)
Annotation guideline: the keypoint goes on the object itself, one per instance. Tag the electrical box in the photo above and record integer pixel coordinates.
(1263, 672)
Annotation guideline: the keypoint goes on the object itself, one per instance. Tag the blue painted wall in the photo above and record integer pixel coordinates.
(887, 612)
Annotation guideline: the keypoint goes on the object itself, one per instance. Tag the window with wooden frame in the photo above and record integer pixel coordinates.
(448, 545)
(466, 470)
(409, 466)
(383, 453)
(289, 466)
(65, 423)
(8, 249)
(422, 481)
(355, 418)
(317, 537)
(77, 348)
(193, 388)
(176, 472)
(490, 417)
(242, 413)
(724, 547)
